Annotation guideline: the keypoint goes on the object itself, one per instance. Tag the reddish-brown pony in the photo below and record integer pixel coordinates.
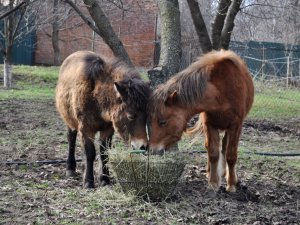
(219, 87)
(96, 94)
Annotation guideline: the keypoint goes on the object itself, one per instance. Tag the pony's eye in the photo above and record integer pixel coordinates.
(130, 116)
(162, 123)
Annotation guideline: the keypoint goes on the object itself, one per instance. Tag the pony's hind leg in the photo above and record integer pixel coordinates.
(90, 155)
(71, 162)
(231, 157)
(212, 141)
(105, 144)
(224, 147)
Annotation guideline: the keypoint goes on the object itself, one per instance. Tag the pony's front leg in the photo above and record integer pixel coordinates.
(90, 155)
(212, 141)
(71, 162)
(231, 157)
(105, 144)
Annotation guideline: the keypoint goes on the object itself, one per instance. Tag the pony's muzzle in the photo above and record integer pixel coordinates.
(156, 150)
(139, 144)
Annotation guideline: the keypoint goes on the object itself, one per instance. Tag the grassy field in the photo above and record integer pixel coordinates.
(31, 82)
(273, 101)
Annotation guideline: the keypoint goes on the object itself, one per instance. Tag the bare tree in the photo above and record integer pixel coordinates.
(14, 29)
(200, 26)
(55, 33)
(222, 26)
(170, 53)
(52, 18)
(269, 20)
(218, 23)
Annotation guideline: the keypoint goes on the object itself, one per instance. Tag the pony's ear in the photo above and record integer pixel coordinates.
(120, 89)
(171, 99)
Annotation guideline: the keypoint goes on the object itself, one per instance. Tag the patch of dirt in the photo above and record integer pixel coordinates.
(289, 126)
(268, 192)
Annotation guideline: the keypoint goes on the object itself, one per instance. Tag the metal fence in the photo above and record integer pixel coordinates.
(23, 49)
(264, 59)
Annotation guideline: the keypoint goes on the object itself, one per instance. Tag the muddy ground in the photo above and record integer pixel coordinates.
(30, 130)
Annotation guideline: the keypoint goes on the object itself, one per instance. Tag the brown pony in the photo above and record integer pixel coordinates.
(95, 94)
(219, 87)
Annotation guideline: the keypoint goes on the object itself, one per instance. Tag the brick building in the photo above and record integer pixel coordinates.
(135, 26)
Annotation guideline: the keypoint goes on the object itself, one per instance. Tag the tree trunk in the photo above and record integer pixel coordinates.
(218, 23)
(229, 23)
(7, 68)
(55, 34)
(106, 31)
(295, 15)
(170, 51)
(200, 26)
(9, 40)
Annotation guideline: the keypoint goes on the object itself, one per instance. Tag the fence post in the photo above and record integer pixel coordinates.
(287, 71)
(263, 63)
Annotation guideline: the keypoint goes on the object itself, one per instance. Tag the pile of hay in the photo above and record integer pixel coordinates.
(149, 176)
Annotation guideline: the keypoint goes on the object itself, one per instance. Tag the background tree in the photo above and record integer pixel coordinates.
(55, 33)
(170, 50)
(13, 30)
(269, 20)
(222, 25)
(52, 19)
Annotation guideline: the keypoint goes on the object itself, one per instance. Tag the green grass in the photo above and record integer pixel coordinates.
(271, 103)
(31, 82)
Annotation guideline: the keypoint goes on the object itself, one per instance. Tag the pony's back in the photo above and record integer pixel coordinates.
(231, 76)
(76, 82)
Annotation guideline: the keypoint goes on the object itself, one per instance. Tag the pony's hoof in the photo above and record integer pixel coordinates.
(88, 185)
(71, 173)
(104, 180)
(215, 186)
(231, 188)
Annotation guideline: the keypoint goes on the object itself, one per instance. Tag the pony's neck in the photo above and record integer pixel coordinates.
(210, 101)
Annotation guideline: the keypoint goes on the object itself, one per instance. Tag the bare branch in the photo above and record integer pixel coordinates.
(14, 9)
(229, 23)
(218, 23)
(200, 26)
(83, 17)
(261, 5)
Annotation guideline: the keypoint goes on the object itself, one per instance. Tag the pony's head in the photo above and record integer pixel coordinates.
(130, 117)
(171, 106)
(168, 120)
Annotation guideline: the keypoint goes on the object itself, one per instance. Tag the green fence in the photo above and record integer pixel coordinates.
(269, 60)
(23, 48)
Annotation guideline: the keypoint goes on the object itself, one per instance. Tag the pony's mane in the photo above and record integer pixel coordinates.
(190, 84)
(139, 93)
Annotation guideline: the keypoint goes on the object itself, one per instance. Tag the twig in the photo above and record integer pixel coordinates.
(12, 10)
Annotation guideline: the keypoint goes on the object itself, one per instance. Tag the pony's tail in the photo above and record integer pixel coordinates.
(197, 128)
(95, 67)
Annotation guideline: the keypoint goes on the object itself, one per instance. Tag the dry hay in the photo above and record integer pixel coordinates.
(148, 176)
